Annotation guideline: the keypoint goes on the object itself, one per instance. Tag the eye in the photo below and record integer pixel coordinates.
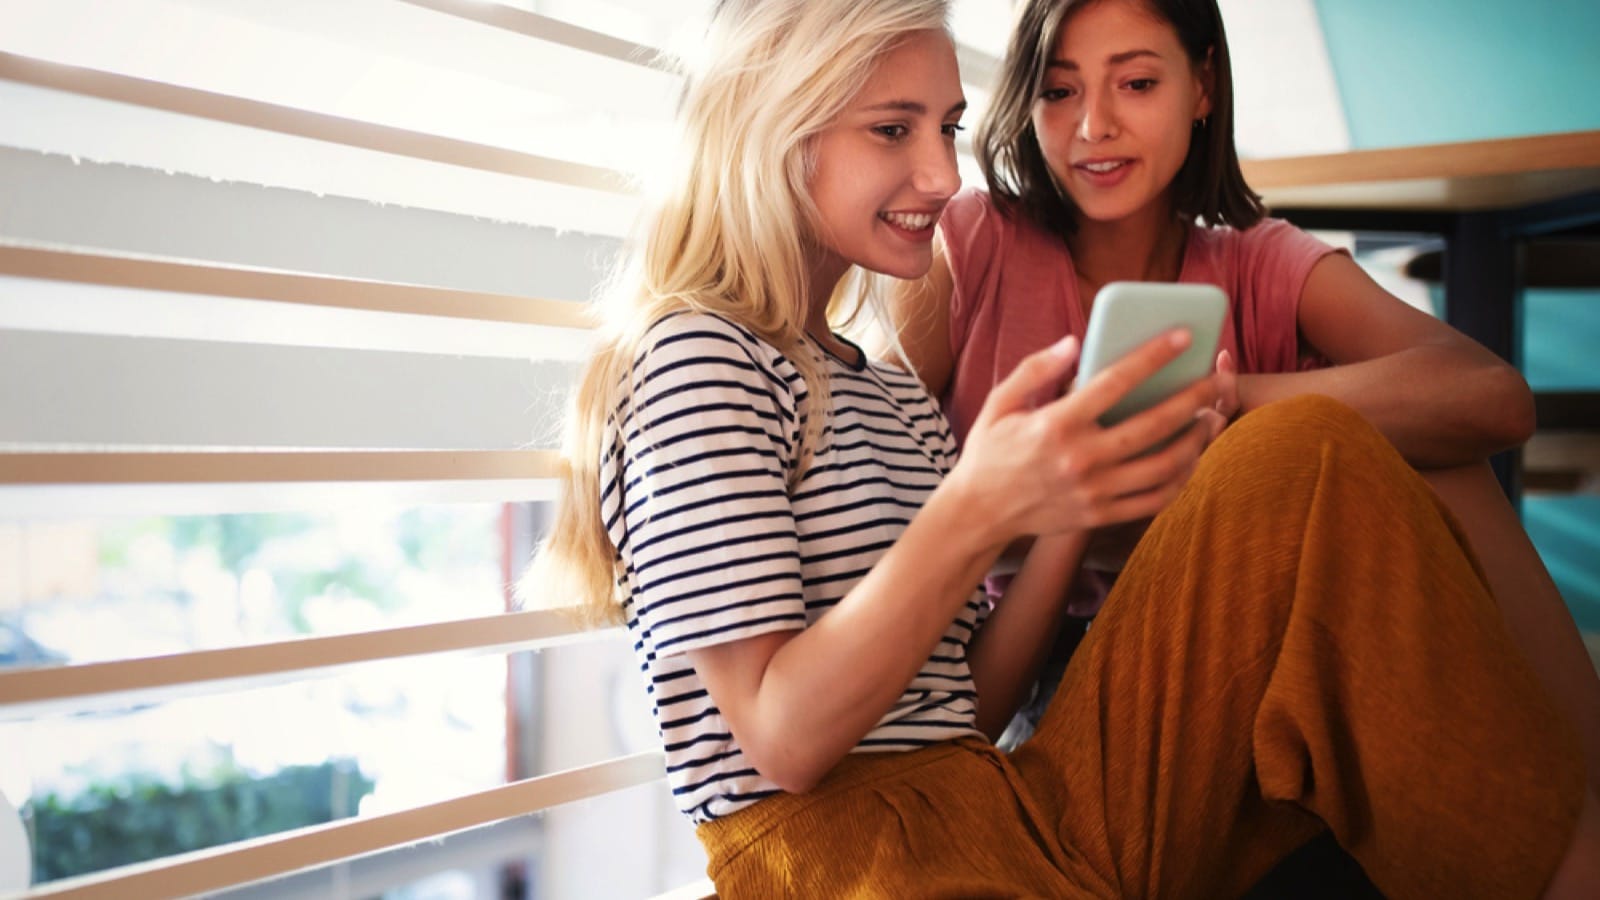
(1140, 85)
(892, 132)
(951, 129)
(1051, 95)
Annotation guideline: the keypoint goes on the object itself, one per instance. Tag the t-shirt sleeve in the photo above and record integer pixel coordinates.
(971, 229)
(1276, 258)
(701, 501)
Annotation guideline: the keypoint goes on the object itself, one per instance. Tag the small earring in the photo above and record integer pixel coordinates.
(1201, 122)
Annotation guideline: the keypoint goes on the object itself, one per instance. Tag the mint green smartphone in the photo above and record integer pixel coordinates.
(1129, 313)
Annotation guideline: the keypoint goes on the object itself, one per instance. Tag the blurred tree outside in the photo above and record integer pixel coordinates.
(138, 818)
(174, 583)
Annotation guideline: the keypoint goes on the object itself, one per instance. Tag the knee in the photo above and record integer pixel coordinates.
(1306, 429)
(1307, 415)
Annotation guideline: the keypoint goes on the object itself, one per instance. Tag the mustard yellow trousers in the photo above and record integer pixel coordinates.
(1301, 641)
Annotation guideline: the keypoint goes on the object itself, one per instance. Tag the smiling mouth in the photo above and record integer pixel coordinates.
(910, 221)
(1104, 168)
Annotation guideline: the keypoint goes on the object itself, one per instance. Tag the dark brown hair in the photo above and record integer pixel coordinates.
(1209, 186)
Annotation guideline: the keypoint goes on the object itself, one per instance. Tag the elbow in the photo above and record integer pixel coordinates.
(793, 776)
(1513, 417)
(798, 782)
(795, 770)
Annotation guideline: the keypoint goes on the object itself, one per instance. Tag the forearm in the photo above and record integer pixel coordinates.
(829, 685)
(797, 701)
(1440, 405)
(1010, 649)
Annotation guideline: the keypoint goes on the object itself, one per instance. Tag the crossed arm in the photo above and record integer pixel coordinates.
(1441, 398)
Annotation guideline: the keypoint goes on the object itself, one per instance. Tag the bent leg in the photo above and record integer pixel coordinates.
(1579, 872)
(1535, 614)
(945, 821)
(1302, 641)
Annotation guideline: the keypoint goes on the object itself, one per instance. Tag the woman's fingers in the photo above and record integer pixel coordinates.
(1152, 472)
(1058, 469)
(1213, 423)
(1091, 399)
(1227, 378)
(1139, 433)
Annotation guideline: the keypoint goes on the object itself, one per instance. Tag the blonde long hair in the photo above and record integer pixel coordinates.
(727, 235)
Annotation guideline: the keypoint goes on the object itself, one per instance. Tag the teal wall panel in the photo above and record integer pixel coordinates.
(1434, 71)
(1561, 352)
(1561, 339)
(1430, 71)
(1564, 530)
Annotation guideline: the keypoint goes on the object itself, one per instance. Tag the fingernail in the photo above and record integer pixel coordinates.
(1180, 338)
(1066, 346)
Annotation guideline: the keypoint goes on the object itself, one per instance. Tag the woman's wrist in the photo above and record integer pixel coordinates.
(970, 516)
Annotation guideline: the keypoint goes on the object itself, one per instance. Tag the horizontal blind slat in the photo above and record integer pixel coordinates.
(295, 466)
(280, 287)
(47, 503)
(54, 202)
(545, 28)
(250, 861)
(27, 693)
(303, 123)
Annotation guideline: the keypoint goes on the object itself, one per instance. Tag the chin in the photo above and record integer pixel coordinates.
(908, 273)
(1104, 213)
(900, 268)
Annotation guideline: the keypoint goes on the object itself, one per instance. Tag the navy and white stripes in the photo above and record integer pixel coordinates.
(714, 546)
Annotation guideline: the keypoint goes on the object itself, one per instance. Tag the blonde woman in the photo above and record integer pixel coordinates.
(784, 528)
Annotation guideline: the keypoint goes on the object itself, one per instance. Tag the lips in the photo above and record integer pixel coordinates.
(910, 221)
(1103, 167)
(1103, 172)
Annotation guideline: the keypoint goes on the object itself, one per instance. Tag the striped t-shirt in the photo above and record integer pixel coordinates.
(715, 547)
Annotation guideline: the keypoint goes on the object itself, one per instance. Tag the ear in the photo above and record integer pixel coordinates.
(1206, 82)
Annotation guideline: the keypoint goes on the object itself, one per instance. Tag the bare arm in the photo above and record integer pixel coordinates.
(1440, 397)
(797, 702)
(1007, 653)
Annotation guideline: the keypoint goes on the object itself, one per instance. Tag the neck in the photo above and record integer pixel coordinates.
(1147, 246)
(821, 281)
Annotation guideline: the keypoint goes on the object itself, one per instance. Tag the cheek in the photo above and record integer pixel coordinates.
(1177, 124)
(1053, 132)
(845, 195)
(1182, 137)
(829, 189)
(828, 173)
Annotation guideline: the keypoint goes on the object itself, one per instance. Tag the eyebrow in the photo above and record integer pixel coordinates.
(1116, 59)
(912, 106)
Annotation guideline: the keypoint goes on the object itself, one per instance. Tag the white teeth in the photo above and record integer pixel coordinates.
(1100, 168)
(909, 221)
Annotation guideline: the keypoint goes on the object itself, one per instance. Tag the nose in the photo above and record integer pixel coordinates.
(1099, 121)
(936, 174)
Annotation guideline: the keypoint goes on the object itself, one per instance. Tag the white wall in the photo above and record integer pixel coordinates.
(1286, 98)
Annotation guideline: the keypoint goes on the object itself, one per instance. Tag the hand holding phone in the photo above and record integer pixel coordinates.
(1129, 313)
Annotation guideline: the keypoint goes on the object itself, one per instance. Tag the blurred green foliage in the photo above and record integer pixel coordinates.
(141, 817)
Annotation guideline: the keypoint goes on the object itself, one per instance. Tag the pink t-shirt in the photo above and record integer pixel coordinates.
(1016, 292)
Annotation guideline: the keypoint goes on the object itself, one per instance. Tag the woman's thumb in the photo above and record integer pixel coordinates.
(1037, 380)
